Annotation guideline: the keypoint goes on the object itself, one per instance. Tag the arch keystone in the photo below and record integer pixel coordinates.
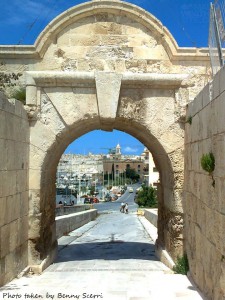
(108, 91)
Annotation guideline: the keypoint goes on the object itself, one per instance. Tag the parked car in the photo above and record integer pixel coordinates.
(87, 200)
(108, 198)
(95, 200)
(114, 197)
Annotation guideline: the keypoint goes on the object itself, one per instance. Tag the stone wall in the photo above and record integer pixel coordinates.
(62, 210)
(14, 142)
(204, 203)
(68, 223)
(151, 215)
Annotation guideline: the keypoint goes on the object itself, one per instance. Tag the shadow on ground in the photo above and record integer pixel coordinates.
(113, 250)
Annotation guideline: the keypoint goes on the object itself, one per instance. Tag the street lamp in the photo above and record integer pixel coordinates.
(79, 188)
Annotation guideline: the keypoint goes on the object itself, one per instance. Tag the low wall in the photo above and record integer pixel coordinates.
(14, 159)
(152, 216)
(204, 193)
(68, 223)
(66, 210)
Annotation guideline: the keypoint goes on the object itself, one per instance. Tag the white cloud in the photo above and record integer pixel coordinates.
(26, 12)
(130, 149)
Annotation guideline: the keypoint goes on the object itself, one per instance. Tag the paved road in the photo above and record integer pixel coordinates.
(114, 206)
(110, 258)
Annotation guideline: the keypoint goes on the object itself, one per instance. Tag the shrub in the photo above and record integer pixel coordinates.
(8, 79)
(208, 162)
(19, 94)
(189, 120)
(147, 197)
(181, 266)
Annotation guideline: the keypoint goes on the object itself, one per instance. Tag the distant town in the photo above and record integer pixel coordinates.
(100, 174)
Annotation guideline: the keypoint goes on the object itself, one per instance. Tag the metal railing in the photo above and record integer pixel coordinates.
(217, 34)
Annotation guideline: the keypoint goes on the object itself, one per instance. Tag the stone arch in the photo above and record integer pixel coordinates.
(101, 9)
(143, 94)
(42, 244)
(70, 105)
(146, 94)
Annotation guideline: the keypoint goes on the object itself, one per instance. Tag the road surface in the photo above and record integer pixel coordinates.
(110, 258)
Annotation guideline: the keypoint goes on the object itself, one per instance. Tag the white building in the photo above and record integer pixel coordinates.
(153, 175)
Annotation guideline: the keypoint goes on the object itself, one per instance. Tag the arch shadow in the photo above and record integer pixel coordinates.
(112, 250)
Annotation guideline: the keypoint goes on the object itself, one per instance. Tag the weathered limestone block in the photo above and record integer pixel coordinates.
(13, 208)
(24, 204)
(34, 231)
(177, 160)
(108, 91)
(178, 180)
(3, 214)
(13, 236)
(82, 39)
(195, 128)
(219, 111)
(204, 120)
(42, 141)
(219, 199)
(34, 202)
(5, 235)
(76, 102)
(173, 201)
(34, 179)
(3, 155)
(3, 126)
(195, 156)
(21, 181)
(23, 227)
(49, 115)
(37, 155)
(31, 94)
(219, 154)
(174, 138)
(174, 233)
(9, 180)
(21, 162)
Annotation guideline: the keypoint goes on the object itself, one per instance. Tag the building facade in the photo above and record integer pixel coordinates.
(114, 164)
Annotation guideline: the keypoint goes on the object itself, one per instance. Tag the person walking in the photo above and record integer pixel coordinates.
(126, 208)
(122, 207)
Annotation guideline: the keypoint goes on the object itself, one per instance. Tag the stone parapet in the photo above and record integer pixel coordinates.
(68, 223)
(62, 210)
(152, 216)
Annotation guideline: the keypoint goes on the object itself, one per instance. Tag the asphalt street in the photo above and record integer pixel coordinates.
(114, 206)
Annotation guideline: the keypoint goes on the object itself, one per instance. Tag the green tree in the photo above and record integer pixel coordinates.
(8, 79)
(147, 197)
(132, 174)
(92, 190)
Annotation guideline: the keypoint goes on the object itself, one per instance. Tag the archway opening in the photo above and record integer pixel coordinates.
(113, 173)
(102, 164)
(45, 246)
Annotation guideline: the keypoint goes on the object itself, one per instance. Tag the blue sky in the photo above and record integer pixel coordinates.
(22, 21)
(99, 141)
